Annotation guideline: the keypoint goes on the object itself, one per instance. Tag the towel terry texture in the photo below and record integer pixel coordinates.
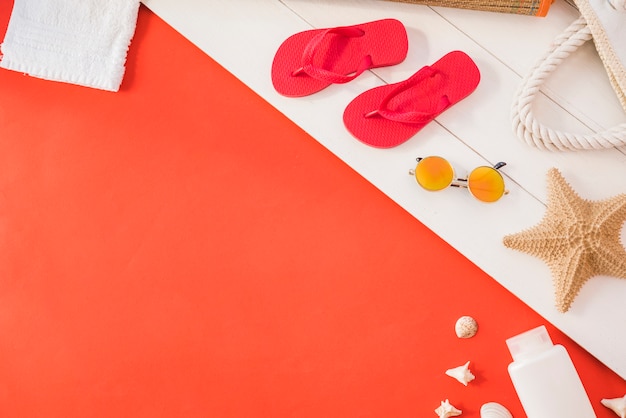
(82, 42)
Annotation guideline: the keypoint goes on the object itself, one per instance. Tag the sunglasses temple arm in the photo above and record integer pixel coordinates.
(499, 165)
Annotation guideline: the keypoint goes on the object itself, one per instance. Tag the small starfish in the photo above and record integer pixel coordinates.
(577, 238)
(617, 405)
(446, 410)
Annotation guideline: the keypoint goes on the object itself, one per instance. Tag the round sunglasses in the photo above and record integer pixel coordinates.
(435, 173)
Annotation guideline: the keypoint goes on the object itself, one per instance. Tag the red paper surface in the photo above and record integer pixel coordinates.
(181, 249)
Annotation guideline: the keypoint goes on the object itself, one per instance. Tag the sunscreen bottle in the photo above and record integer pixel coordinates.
(545, 379)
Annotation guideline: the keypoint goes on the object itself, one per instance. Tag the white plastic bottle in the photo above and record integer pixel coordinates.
(545, 379)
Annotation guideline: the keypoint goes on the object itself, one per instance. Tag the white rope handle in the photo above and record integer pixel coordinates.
(533, 132)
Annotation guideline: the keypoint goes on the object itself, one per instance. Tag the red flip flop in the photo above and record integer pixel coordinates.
(387, 116)
(310, 61)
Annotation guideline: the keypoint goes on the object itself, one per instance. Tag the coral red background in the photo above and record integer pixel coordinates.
(181, 249)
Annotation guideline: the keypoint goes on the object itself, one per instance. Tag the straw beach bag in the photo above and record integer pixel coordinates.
(604, 22)
(522, 7)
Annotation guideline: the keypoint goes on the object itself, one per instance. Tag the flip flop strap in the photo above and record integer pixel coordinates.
(414, 116)
(324, 74)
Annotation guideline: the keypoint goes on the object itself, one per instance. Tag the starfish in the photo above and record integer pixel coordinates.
(577, 238)
(617, 405)
(446, 410)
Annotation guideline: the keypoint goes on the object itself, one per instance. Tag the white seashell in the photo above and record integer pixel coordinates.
(466, 327)
(494, 410)
(446, 410)
(461, 373)
(617, 405)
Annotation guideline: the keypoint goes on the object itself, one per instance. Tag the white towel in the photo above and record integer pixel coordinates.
(82, 42)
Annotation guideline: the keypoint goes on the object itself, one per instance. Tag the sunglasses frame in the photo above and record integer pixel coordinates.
(462, 182)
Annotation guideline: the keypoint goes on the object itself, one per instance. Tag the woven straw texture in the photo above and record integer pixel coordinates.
(614, 68)
(522, 7)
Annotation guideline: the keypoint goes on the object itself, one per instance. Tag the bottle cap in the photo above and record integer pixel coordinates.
(529, 343)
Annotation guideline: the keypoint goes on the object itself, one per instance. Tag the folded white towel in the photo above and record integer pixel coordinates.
(82, 42)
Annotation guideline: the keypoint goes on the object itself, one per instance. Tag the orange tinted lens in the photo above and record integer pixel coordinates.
(434, 173)
(486, 184)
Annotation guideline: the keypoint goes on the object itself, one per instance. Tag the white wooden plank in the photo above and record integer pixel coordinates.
(243, 36)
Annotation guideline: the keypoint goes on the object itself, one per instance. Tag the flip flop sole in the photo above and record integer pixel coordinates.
(385, 41)
(455, 76)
